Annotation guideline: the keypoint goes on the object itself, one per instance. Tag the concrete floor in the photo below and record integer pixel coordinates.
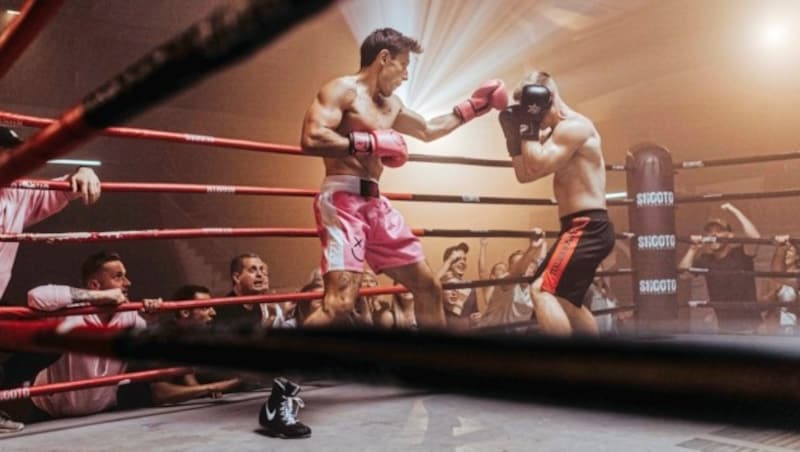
(349, 417)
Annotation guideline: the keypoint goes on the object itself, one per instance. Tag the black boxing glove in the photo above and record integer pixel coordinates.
(510, 123)
(535, 101)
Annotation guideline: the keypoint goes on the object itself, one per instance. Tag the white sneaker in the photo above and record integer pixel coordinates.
(8, 425)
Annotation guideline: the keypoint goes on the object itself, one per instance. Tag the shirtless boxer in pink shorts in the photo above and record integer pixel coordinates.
(355, 122)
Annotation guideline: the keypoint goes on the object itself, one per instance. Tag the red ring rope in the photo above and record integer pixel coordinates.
(160, 187)
(23, 29)
(93, 236)
(228, 34)
(25, 392)
(247, 145)
(18, 312)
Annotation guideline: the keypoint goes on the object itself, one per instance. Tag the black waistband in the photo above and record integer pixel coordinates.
(592, 214)
(369, 189)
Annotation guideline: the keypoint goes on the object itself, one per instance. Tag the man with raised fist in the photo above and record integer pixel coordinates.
(356, 123)
(545, 136)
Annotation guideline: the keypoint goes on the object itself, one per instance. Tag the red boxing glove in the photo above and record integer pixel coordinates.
(491, 94)
(389, 145)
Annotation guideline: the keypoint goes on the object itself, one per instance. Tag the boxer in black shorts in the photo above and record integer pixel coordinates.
(586, 238)
(545, 136)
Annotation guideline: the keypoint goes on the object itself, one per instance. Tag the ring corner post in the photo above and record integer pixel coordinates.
(651, 182)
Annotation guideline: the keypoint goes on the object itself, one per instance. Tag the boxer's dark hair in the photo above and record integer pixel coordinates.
(389, 39)
(95, 262)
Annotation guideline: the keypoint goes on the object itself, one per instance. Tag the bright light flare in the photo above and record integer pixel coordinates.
(775, 35)
(467, 42)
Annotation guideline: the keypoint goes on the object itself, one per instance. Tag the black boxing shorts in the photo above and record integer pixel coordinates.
(586, 238)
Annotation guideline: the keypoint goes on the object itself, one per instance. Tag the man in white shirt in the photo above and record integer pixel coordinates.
(105, 282)
(19, 209)
(513, 303)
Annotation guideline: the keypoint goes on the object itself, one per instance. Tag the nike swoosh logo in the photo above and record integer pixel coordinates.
(270, 414)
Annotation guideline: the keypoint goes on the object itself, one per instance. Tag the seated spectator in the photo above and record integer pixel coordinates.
(781, 320)
(105, 281)
(513, 303)
(249, 276)
(600, 296)
(23, 208)
(460, 305)
(403, 309)
(305, 308)
(365, 306)
(497, 271)
(316, 278)
(187, 387)
(396, 311)
(195, 316)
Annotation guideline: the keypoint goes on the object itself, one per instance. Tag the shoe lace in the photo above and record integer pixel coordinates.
(289, 408)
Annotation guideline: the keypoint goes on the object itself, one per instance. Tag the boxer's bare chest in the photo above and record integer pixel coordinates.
(367, 114)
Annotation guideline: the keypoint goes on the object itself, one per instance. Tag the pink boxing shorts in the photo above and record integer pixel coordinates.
(356, 225)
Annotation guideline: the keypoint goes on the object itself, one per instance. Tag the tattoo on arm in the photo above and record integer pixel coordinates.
(82, 295)
(79, 295)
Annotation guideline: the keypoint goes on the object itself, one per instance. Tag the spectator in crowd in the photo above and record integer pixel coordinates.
(510, 303)
(194, 316)
(365, 305)
(394, 311)
(105, 282)
(718, 256)
(186, 387)
(316, 278)
(403, 311)
(305, 308)
(250, 276)
(600, 296)
(498, 270)
(781, 320)
(461, 305)
(23, 207)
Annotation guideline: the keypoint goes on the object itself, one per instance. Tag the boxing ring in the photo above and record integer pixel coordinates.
(670, 370)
